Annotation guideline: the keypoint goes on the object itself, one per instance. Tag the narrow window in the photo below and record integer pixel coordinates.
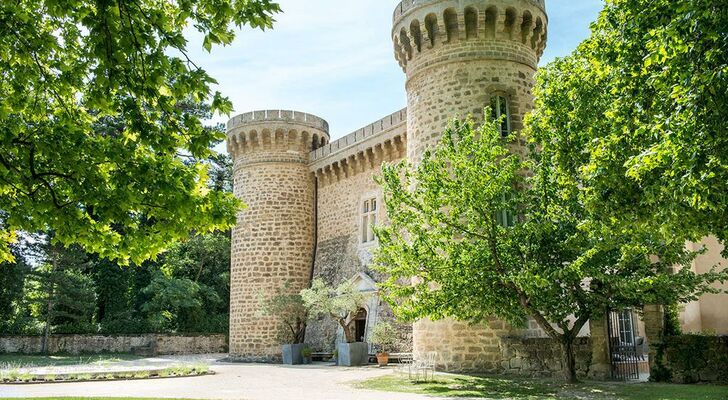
(505, 217)
(499, 108)
(368, 220)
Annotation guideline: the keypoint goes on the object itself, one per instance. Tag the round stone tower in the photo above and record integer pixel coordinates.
(459, 57)
(273, 241)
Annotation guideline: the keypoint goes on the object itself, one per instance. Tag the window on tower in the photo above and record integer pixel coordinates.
(499, 108)
(505, 217)
(368, 220)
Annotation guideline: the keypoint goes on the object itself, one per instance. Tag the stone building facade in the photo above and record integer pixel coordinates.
(311, 202)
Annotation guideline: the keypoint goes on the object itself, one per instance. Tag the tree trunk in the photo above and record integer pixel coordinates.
(348, 336)
(49, 310)
(567, 350)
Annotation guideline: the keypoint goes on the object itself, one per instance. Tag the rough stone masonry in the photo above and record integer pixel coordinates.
(311, 202)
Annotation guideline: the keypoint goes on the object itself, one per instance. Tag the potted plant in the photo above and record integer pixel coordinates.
(341, 304)
(306, 353)
(288, 308)
(383, 337)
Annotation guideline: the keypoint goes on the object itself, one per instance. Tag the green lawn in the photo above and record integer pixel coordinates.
(498, 388)
(10, 361)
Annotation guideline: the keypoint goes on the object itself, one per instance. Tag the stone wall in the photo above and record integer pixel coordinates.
(343, 186)
(91, 344)
(541, 357)
(692, 359)
(273, 241)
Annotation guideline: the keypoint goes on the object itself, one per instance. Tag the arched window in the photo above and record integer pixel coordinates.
(499, 108)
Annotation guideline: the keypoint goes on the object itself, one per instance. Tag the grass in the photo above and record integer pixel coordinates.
(500, 388)
(11, 361)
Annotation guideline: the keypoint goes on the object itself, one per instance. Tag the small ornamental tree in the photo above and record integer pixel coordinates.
(477, 231)
(289, 309)
(384, 337)
(340, 304)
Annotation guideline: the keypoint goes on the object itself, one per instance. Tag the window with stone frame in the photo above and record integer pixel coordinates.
(368, 220)
(500, 108)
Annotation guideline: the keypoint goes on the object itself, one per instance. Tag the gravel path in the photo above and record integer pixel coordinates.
(231, 381)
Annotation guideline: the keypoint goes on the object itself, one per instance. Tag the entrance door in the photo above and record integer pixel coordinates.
(360, 325)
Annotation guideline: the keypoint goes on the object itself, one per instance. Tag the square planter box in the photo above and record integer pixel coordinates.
(292, 353)
(353, 354)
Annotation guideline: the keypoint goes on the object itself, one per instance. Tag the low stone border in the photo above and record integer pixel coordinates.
(21, 378)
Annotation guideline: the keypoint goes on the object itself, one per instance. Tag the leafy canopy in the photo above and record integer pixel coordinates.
(478, 231)
(93, 130)
(339, 303)
(636, 116)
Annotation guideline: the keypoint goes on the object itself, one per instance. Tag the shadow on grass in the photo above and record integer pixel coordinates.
(495, 388)
(514, 388)
(466, 386)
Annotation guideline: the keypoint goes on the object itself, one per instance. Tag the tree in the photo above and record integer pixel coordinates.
(12, 279)
(290, 311)
(175, 305)
(200, 264)
(636, 116)
(60, 296)
(340, 303)
(93, 129)
(384, 337)
(477, 231)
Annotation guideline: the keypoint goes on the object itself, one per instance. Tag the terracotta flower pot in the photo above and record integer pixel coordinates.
(382, 359)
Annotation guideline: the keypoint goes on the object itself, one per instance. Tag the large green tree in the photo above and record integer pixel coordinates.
(477, 231)
(93, 139)
(636, 116)
(59, 293)
(12, 278)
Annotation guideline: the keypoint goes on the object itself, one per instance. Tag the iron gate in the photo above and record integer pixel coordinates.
(623, 346)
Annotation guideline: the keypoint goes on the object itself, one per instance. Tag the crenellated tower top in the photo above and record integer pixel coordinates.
(423, 25)
(291, 134)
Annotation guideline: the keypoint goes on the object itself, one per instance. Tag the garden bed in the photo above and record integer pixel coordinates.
(19, 376)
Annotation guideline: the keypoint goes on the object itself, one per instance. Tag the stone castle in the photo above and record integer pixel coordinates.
(312, 202)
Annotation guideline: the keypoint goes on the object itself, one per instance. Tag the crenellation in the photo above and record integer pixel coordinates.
(448, 22)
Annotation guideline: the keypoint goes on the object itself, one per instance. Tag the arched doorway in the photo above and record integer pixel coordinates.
(360, 325)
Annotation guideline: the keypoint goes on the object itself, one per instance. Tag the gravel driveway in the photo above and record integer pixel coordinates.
(231, 381)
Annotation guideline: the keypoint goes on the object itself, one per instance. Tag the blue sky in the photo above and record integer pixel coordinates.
(334, 59)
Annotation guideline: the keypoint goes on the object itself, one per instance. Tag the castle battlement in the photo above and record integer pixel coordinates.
(363, 150)
(393, 120)
(276, 131)
(407, 5)
(422, 25)
(264, 116)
